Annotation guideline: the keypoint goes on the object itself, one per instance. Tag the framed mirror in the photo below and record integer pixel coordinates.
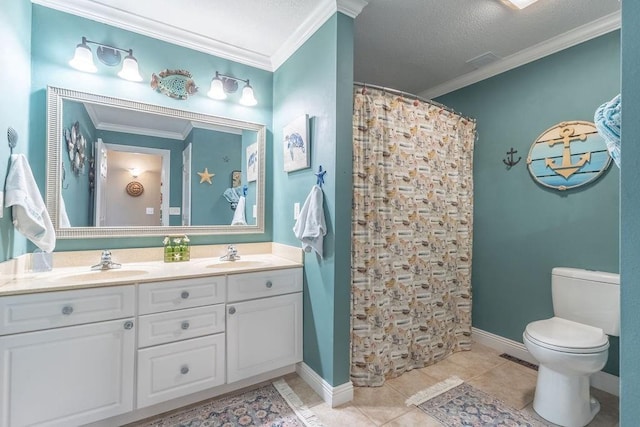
(148, 170)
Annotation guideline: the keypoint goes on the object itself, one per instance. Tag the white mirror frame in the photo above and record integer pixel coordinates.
(55, 98)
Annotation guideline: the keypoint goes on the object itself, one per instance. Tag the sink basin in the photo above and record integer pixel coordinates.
(101, 275)
(237, 264)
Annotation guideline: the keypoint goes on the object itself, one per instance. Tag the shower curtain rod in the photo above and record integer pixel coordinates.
(412, 96)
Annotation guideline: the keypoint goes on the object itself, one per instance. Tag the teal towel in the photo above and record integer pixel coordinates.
(607, 121)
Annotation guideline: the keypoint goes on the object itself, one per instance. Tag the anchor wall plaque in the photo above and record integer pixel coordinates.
(568, 155)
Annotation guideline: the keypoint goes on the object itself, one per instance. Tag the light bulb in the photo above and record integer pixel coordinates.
(247, 96)
(130, 69)
(217, 89)
(83, 58)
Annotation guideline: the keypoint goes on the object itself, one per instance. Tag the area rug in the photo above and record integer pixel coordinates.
(274, 405)
(456, 404)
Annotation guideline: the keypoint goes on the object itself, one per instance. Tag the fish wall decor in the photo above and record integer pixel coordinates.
(175, 84)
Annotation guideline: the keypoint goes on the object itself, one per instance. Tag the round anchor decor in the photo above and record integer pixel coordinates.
(568, 155)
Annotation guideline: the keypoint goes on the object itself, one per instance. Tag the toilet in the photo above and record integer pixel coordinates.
(574, 343)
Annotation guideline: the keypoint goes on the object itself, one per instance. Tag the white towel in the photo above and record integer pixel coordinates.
(30, 216)
(310, 226)
(63, 218)
(238, 215)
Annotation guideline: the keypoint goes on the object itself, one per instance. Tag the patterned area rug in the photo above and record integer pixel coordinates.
(462, 405)
(274, 405)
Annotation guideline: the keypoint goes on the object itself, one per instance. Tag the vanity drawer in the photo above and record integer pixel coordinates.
(162, 328)
(263, 284)
(173, 370)
(176, 294)
(45, 310)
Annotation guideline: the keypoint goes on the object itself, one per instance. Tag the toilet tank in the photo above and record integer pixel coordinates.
(587, 297)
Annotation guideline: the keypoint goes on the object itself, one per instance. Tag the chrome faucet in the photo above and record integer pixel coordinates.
(232, 254)
(105, 262)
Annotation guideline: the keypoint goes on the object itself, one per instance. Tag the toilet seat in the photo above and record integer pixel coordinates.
(566, 336)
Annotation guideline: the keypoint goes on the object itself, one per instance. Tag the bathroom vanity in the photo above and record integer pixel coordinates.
(77, 347)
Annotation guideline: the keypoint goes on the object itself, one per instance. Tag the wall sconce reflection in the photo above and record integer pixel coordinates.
(222, 84)
(109, 55)
(136, 172)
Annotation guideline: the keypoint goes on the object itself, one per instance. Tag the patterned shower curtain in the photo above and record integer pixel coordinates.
(412, 235)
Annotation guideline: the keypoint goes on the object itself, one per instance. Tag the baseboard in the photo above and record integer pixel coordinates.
(600, 380)
(334, 396)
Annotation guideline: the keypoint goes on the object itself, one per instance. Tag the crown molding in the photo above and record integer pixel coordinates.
(139, 24)
(217, 128)
(325, 10)
(135, 130)
(578, 35)
(157, 30)
(351, 8)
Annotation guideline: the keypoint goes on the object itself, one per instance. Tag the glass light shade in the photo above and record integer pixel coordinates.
(520, 4)
(217, 89)
(83, 59)
(130, 69)
(247, 96)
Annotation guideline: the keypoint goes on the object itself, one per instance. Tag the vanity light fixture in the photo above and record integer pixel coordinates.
(108, 55)
(519, 4)
(222, 84)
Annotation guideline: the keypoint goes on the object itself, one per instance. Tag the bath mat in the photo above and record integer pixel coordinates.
(274, 405)
(464, 405)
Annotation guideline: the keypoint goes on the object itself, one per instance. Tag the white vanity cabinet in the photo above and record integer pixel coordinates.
(66, 358)
(181, 338)
(113, 354)
(264, 322)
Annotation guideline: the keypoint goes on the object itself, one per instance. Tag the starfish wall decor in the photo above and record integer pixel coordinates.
(205, 176)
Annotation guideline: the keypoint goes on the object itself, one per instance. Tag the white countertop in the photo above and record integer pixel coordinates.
(79, 277)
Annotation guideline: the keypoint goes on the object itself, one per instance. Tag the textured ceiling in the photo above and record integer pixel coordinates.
(410, 45)
(414, 45)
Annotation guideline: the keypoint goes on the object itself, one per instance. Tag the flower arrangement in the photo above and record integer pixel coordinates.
(176, 248)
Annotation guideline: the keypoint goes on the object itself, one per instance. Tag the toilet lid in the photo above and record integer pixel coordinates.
(562, 334)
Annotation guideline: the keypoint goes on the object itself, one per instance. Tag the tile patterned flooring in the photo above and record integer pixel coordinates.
(482, 367)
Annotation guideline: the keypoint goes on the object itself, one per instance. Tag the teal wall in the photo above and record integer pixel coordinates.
(630, 212)
(521, 229)
(209, 205)
(53, 45)
(15, 73)
(75, 189)
(318, 80)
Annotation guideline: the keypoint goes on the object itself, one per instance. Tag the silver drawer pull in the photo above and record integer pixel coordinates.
(67, 310)
(232, 310)
(269, 284)
(128, 324)
(184, 295)
(185, 325)
(184, 370)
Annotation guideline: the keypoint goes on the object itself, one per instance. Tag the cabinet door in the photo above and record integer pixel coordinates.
(178, 369)
(263, 335)
(68, 376)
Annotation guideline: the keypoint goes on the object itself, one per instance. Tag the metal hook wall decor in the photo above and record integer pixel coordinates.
(509, 160)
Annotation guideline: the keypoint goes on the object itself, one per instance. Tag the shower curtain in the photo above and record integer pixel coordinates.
(411, 235)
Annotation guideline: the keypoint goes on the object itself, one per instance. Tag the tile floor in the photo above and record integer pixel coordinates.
(481, 367)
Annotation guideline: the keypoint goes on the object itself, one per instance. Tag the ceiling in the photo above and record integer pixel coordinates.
(115, 119)
(418, 46)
